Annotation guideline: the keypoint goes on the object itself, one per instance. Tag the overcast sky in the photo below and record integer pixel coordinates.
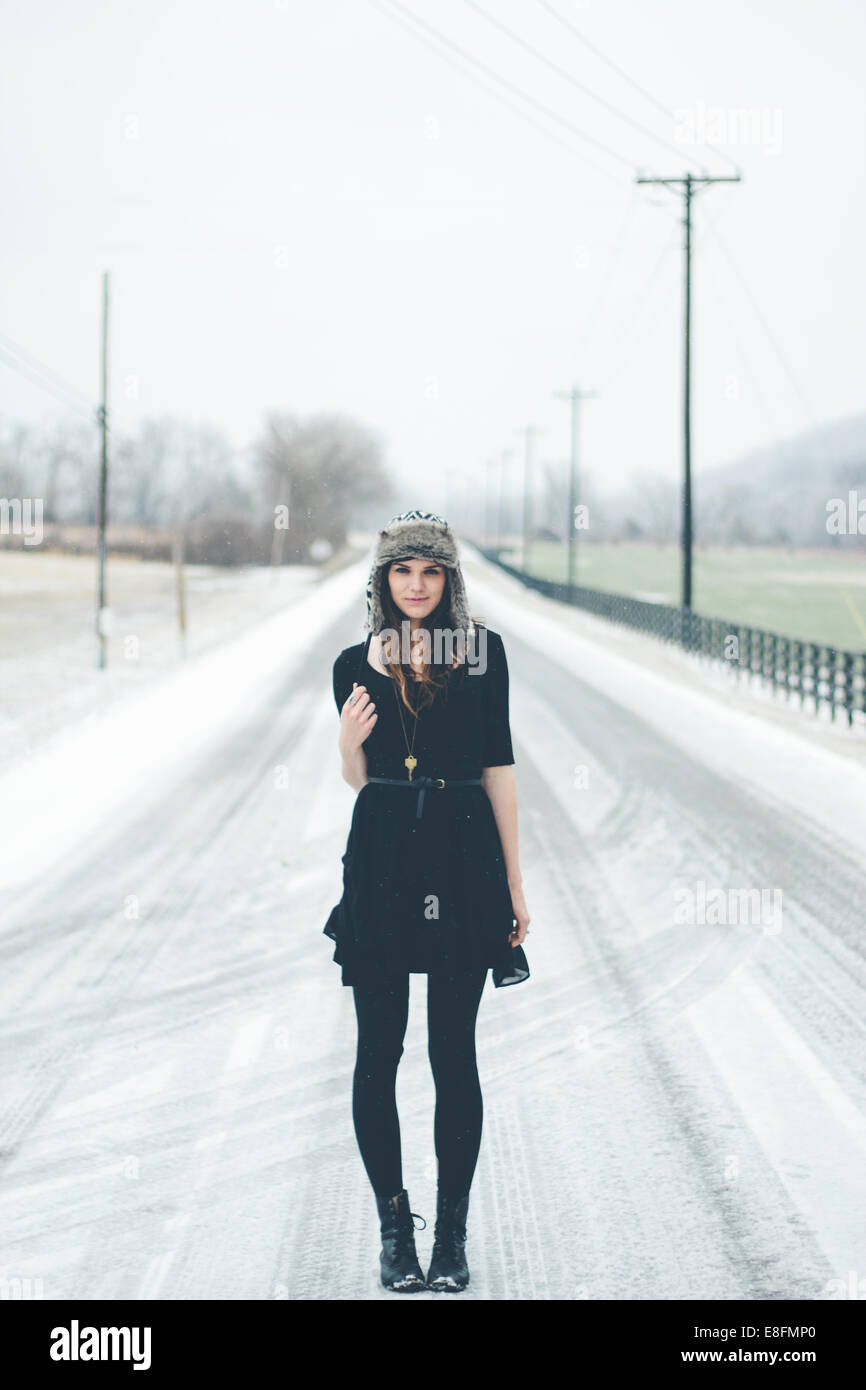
(305, 206)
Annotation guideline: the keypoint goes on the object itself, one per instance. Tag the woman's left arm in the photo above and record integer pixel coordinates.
(499, 784)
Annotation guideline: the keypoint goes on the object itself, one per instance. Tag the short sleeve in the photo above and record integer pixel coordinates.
(342, 679)
(496, 750)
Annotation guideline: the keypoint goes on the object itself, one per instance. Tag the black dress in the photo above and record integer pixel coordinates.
(430, 891)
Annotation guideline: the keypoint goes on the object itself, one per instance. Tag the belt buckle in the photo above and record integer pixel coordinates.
(440, 781)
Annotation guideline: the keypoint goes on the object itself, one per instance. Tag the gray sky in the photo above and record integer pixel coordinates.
(305, 207)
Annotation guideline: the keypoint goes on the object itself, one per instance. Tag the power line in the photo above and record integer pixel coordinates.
(724, 305)
(660, 106)
(786, 367)
(709, 223)
(511, 86)
(16, 366)
(594, 315)
(500, 96)
(637, 303)
(17, 350)
(709, 220)
(569, 77)
(645, 334)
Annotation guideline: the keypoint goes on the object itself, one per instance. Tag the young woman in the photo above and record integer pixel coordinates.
(431, 878)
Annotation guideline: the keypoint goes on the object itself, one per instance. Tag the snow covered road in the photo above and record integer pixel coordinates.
(674, 1106)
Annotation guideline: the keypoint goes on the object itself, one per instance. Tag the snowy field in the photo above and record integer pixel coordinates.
(49, 677)
(674, 1102)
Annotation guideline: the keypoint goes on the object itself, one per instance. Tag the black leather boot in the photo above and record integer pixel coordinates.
(401, 1271)
(448, 1272)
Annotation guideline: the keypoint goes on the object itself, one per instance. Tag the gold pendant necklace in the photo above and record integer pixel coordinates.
(411, 762)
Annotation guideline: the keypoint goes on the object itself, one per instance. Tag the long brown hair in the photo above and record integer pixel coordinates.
(437, 678)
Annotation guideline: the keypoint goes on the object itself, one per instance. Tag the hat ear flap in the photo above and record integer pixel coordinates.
(375, 612)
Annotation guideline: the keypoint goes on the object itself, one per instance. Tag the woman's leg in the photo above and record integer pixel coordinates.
(452, 1009)
(383, 1011)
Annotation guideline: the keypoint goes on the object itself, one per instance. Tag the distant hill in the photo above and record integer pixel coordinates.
(777, 494)
(780, 492)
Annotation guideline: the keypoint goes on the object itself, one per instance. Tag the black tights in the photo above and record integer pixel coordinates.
(383, 1012)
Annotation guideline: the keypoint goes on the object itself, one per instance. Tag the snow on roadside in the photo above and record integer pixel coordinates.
(48, 672)
(101, 770)
(745, 745)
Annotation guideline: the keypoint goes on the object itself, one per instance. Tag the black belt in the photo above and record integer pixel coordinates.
(422, 783)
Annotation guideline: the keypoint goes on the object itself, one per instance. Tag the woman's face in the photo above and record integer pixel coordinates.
(416, 586)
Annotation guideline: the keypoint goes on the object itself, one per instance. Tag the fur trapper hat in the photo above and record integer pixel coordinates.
(416, 535)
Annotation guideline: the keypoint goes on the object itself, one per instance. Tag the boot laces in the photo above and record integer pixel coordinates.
(448, 1243)
(449, 1238)
(405, 1241)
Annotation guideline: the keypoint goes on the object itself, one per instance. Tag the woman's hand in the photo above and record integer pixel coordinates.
(356, 720)
(518, 903)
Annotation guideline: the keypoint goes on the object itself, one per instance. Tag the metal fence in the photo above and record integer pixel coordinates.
(811, 670)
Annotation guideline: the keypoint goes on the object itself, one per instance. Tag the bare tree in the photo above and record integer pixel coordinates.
(319, 468)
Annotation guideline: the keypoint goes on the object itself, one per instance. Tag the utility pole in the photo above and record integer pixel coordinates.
(691, 184)
(504, 456)
(529, 432)
(178, 547)
(488, 526)
(278, 540)
(102, 418)
(575, 395)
